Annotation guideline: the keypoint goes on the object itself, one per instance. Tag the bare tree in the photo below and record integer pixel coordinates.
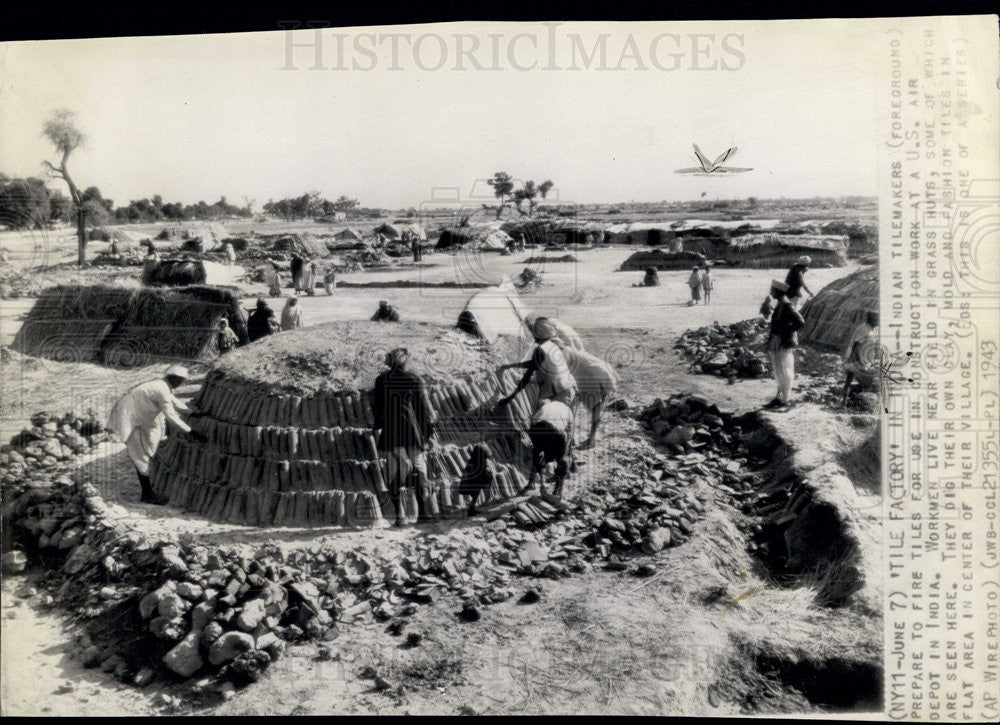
(62, 131)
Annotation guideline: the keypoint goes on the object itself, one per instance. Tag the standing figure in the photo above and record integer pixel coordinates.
(150, 262)
(404, 425)
(330, 281)
(298, 273)
(694, 282)
(291, 315)
(227, 249)
(781, 343)
(227, 339)
(139, 419)
(261, 322)
(273, 279)
(707, 283)
(796, 281)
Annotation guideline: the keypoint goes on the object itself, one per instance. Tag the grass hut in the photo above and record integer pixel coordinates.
(128, 326)
(833, 313)
(289, 425)
(775, 251)
(661, 260)
(483, 237)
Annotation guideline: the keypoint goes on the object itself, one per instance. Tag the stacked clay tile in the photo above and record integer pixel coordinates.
(274, 458)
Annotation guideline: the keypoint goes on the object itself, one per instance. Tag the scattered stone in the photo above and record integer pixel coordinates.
(143, 677)
(413, 639)
(111, 663)
(227, 691)
(248, 667)
(382, 684)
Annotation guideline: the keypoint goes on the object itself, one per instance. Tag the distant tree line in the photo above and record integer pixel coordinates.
(313, 206)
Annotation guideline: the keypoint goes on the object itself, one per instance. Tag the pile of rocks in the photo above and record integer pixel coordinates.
(728, 351)
(48, 441)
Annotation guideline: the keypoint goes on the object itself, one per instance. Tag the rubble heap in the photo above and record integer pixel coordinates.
(728, 351)
(48, 441)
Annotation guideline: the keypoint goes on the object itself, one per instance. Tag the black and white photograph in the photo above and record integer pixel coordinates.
(495, 368)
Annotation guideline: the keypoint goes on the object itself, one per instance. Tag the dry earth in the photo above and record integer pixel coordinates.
(603, 642)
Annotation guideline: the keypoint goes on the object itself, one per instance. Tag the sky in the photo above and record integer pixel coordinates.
(247, 116)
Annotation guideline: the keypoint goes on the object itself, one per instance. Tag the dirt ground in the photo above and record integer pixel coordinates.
(602, 642)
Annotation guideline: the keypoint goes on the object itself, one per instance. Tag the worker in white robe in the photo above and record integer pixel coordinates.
(139, 419)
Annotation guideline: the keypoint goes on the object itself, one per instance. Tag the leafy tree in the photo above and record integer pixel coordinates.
(62, 131)
(345, 204)
(503, 187)
(24, 203)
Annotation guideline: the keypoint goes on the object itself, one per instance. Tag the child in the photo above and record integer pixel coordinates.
(707, 283)
(478, 476)
(694, 282)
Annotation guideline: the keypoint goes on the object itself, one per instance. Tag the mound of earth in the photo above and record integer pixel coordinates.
(349, 355)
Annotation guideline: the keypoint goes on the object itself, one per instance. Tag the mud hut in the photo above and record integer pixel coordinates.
(835, 311)
(128, 326)
(289, 425)
(770, 251)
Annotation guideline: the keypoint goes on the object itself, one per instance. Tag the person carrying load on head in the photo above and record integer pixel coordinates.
(781, 343)
(139, 419)
(404, 429)
(861, 354)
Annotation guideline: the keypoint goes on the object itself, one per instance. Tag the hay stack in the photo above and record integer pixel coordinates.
(833, 313)
(127, 326)
(176, 272)
(771, 251)
(661, 260)
(289, 426)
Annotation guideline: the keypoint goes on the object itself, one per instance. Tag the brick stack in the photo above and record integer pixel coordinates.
(289, 460)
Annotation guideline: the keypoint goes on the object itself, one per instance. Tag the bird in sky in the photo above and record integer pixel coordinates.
(712, 167)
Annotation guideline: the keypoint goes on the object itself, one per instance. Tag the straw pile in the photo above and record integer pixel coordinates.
(833, 313)
(176, 272)
(769, 251)
(127, 326)
(658, 259)
(289, 425)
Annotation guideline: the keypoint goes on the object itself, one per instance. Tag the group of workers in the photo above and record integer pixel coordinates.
(404, 422)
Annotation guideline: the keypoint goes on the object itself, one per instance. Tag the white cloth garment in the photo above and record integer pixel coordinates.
(783, 362)
(139, 420)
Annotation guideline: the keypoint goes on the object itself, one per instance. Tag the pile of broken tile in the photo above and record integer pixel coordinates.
(728, 351)
(225, 612)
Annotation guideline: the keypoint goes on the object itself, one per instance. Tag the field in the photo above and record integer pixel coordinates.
(709, 629)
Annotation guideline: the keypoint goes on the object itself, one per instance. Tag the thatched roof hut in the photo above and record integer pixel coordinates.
(835, 311)
(289, 426)
(661, 260)
(474, 237)
(128, 326)
(769, 251)
(304, 245)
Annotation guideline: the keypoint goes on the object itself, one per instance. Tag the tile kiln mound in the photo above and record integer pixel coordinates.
(289, 426)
